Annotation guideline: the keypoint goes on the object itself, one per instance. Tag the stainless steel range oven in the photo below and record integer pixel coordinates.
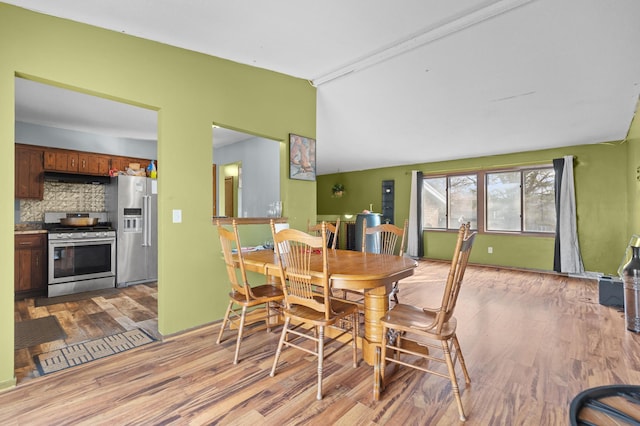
(81, 259)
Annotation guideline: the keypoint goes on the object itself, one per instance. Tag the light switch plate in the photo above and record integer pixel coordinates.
(177, 216)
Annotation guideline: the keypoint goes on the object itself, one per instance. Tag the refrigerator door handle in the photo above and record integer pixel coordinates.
(149, 220)
(146, 217)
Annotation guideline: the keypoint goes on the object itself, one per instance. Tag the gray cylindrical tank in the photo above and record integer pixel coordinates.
(373, 219)
(631, 277)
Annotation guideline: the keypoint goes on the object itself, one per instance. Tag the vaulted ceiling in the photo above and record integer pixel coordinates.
(407, 82)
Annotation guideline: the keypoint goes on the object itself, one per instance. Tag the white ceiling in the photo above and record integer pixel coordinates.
(407, 82)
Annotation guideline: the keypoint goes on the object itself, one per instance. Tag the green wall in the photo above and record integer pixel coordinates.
(603, 203)
(190, 91)
(633, 175)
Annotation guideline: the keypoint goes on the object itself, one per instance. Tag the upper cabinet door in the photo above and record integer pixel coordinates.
(49, 160)
(72, 162)
(29, 181)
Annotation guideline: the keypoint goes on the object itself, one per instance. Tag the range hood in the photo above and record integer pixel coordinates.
(75, 178)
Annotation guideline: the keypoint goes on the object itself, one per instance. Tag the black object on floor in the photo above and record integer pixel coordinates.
(37, 331)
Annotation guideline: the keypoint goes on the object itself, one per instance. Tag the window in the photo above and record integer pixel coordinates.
(516, 200)
(450, 201)
(434, 200)
(463, 201)
(503, 201)
(539, 200)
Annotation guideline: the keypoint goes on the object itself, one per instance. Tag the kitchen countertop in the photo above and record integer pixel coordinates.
(29, 228)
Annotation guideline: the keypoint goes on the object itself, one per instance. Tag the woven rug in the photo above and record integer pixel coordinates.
(37, 331)
(82, 353)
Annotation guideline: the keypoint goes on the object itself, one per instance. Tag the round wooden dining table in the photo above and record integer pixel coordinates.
(353, 270)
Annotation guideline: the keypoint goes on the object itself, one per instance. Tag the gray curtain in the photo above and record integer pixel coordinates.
(415, 245)
(567, 256)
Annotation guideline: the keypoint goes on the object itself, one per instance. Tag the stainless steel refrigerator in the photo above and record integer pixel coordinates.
(132, 209)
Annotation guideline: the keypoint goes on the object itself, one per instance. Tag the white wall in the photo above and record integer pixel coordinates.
(260, 161)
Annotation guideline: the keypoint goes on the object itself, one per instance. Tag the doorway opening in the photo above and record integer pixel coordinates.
(54, 118)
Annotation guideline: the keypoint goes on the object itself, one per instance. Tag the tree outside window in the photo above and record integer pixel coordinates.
(539, 200)
(517, 200)
(463, 201)
(450, 201)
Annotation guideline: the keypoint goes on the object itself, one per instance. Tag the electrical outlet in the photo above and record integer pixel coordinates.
(177, 216)
(490, 250)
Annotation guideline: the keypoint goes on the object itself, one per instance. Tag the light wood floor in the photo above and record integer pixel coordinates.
(531, 342)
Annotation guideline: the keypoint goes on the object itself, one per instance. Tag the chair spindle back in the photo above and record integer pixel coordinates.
(235, 268)
(456, 274)
(296, 251)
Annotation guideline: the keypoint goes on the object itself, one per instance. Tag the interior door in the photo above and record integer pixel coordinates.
(215, 183)
(228, 196)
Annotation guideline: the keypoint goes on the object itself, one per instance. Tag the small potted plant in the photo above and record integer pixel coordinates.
(338, 190)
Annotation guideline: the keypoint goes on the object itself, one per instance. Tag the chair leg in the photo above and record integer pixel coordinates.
(320, 360)
(224, 322)
(383, 355)
(452, 377)
(280, 343)
(376, 374)
(240, 332)
(267, 307)
(463, 366)
(354, 327)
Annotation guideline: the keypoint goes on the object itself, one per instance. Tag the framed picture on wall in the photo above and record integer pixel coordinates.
(302, 157)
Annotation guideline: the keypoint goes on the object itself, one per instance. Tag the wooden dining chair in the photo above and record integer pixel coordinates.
(386, 242)
(386, 238)
(303, 271)
(243, 295)
(332, 232)
(428, 333)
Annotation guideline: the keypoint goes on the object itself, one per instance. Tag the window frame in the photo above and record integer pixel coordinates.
(481, 213)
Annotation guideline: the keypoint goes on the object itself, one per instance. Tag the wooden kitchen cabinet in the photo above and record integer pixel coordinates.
(72, 162)
(68, 161)
(29, 178)
(86, 163)
(121, 163)
(93, 164)
(61, 160)
(30, 268)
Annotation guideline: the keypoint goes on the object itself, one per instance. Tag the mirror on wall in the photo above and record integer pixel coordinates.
(248, 173)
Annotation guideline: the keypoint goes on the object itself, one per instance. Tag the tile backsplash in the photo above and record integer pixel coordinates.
(63, 197)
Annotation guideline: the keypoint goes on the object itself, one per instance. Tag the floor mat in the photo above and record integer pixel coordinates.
(37, 331)
(48, 301)
(82, 353)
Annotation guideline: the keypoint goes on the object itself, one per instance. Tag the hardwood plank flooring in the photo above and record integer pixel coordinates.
(531, 342)
(89, 319)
